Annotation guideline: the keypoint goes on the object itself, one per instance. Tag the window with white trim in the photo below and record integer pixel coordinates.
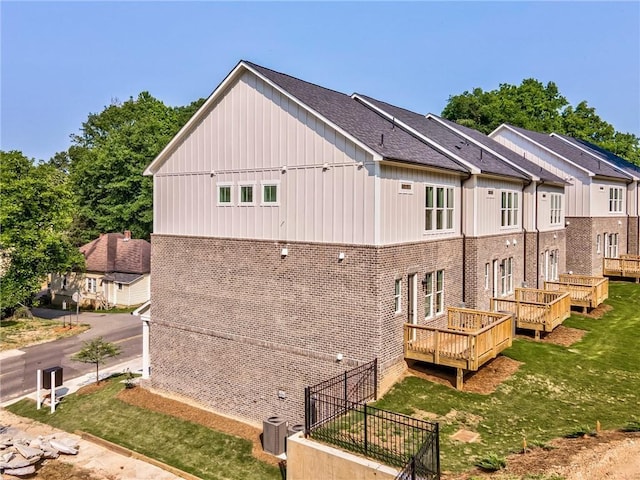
(598, 243)
(119, 286)
(91, 285)
(486, 275)
(246, 194)
(553, 263)
(433, 293)
(615, 200)
(611, 245)
(397, 295)
(438, 208)
(225, 194)
(509, 209)
(270, 193)
(555, 209)
(506, 276)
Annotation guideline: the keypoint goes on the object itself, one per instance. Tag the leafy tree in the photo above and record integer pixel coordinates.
(107, 159)
(35, 214)
(541, 108)
(97, 351)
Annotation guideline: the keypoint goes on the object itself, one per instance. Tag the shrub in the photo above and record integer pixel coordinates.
(22, 312)
(492, 463)
(632, 426)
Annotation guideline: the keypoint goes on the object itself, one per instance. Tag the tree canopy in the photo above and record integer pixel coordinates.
(535, 106)
(107, 159)
(35, 214)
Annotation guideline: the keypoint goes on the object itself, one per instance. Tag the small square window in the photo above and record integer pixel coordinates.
(246, 194)
(224, 194)
(270, 194)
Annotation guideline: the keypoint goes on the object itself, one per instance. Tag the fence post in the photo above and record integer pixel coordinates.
(307, 411)
(345, 392)
(413, 468)
(437, 432)
(375, 378)
(366, 439)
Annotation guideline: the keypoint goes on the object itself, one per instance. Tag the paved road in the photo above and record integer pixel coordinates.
(18, 368)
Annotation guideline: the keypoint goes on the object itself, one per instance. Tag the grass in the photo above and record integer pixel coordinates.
(18, 333)
(557, 391)
(188, 446)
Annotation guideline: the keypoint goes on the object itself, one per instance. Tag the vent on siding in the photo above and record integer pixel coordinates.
(490, 193)
(602, 189)
(406, 187)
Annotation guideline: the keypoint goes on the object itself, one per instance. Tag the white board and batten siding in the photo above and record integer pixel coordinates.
(403, 201)
(483, 203)
(600, 191)
(247, 137)
(578, 190)
(544, 223)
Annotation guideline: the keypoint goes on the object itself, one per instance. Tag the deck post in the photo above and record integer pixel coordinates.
(459, 378)
(537, 334)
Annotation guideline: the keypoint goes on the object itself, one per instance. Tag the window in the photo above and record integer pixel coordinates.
(64, 282)
(433, 293)
(397, 307)
(555, 209)
(246, 194)
(509, 209)
(611, 245)
(91, 285)
(598, 243)
(224, 194)
(615, 200)
(486, 276)
(270, 193)
(119, 286)
(506, 276)
(438, 208)
(553, 261)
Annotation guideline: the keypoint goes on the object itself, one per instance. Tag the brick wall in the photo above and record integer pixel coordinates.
(234, 323)
(550, 241)
(633, 235)
(582, 256)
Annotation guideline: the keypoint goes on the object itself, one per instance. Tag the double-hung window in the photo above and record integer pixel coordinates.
(433, 293)
(611, 245)
(555, 209)
(438, 208)
(506, 276)
(91, 285)
(509, 209)
(615, 200)
(397, 305)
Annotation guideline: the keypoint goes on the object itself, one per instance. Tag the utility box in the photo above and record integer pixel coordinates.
(274, 434)
(46, 377)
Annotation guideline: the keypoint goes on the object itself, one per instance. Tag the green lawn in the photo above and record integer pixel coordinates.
(555, 392)
(185, 445)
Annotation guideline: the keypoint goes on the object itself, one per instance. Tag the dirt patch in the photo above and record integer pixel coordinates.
(57, 470)
(597, 312)
(610, 455)
(564, 336)
(151, 401)
(484, 381)
(91, 388)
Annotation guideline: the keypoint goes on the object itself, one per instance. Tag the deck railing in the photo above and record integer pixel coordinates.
(585, 291)
(534, 309)
(469, 339)
(625, 266)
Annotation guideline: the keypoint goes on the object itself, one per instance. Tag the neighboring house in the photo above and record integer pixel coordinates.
(602, 194)
(117, 273)
(296, 229)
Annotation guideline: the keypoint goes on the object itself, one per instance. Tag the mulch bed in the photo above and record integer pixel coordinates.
(143, 398)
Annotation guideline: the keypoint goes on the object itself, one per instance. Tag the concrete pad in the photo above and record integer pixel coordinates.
(466, 436)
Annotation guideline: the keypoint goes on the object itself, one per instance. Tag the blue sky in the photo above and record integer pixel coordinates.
(64, 60)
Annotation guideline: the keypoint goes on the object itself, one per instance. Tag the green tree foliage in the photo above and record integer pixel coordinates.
(107, 159)
(541, 108)
(35, 214)
(97, 351)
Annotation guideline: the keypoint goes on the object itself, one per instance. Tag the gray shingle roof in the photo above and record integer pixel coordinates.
(449, 139)
(361, 122)
(619, 162)
(507, 153)
(572, 154)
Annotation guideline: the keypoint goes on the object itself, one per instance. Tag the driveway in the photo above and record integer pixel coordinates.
(18, 367)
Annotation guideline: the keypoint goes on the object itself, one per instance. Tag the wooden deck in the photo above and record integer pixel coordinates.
(585, 291)
(537, 310)
(626, 266)
(466, 340)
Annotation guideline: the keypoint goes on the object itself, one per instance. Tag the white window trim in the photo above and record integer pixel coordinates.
(445, 209)
(598, 243)
(616, 195)
(397, 296)
(513, 213)
(270, 183)
(91, 285)
(408, 191)
(253, 197)
(487, 273)
(430, 297)
(555, 214)
(224, 184)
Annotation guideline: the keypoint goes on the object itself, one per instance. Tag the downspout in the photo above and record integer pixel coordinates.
(464, 240)
(535, 221)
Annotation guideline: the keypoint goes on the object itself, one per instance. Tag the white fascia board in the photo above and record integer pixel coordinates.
(142, 309)
(473, 169)
(548, 150)
(481, 145)
(593, 155)
(202, 111)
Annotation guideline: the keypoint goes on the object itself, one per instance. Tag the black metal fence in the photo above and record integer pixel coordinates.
(336, 413)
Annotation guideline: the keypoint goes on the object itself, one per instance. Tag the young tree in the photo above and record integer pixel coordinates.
(96, 351)
(35, 214)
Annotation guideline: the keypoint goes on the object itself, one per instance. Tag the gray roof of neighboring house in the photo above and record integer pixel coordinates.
(509, 154)
(126, 278)
(449, 139)
(572, 154)
(619, 162)
(361, 122)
